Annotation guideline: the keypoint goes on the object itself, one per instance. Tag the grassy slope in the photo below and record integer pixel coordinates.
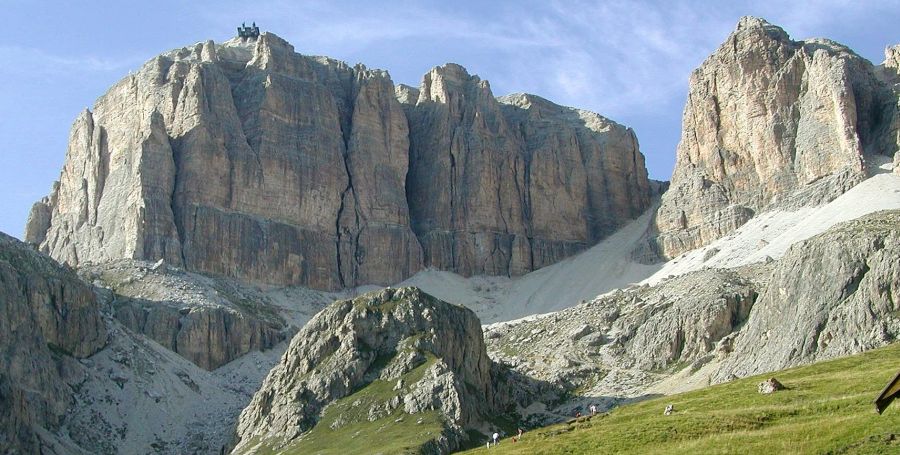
(827, 409)
(397, 433)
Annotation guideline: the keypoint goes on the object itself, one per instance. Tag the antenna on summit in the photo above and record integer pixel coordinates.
(248, 32)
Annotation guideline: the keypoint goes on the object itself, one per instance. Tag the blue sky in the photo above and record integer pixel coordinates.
(628, 60)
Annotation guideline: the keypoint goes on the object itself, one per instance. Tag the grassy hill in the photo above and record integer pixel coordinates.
(827, 409)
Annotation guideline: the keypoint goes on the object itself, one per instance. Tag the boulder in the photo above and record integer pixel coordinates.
(769, 386)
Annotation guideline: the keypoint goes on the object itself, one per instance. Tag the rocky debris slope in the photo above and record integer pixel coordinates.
(48, 317)
(387, 358)
(767, 116)
(205, 320)
(833, 295)
(137, 397)
(245, 159)
(611, 348)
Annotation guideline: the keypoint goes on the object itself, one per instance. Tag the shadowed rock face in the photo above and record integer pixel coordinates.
(46, 315)
(382, 337)
(248, 160)
(767, 116)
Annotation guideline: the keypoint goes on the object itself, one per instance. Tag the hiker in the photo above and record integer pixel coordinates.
(496, 438)
(577, 414)
(593, 409)
(521, 431)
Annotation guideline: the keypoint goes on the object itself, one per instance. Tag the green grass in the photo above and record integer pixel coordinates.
(827, 409)
(396, 433)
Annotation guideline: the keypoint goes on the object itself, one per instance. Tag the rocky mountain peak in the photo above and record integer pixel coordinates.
(768, 118)
(246, 159)
(449, 82)
(754, 28)
(386, 356)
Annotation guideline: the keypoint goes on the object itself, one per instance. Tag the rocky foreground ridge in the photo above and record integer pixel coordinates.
(246, 159)
(48, 317)
(390, 358)
(832, 295)
(770, 121)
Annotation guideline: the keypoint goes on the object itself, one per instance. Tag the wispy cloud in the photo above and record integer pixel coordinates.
(616, 57)
(38, 62)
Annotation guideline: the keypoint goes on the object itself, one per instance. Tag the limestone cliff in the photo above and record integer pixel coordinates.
(509, 185)
(396, 358)
(767, 116)
(245, 159)
(46, 316)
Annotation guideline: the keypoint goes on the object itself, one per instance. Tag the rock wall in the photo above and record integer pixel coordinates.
(377, 338)
(833, 295)
(245, 159)
(208, 337)
(767, 116)
(206, 320)
(46, 315)
(507, 185)
(890, 74)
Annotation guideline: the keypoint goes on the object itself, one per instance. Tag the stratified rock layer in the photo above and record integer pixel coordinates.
(767, 116)
(46, 315)
(509, 185)
(380, 337)
(248, 160)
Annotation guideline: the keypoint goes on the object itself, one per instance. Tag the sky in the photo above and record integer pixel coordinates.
(627, 60)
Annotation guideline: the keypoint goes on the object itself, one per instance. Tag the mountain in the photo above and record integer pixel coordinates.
(773, 122)
(48, 318)
(387, 365)
(247, 160)
(205, 195)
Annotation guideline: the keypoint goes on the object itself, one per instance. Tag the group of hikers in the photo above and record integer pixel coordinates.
(495, 438)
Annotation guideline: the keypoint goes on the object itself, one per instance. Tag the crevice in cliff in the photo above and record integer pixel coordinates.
(853, 284)
(346, 135)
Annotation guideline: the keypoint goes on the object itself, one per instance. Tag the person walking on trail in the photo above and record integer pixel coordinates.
(593, 409)
(521, 431)
(496, 438)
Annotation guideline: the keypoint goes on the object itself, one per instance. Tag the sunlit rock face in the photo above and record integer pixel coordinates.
(246, 159)
(765, 117)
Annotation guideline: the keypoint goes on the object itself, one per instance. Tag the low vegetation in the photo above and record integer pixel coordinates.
(345, 428)
(827, 409)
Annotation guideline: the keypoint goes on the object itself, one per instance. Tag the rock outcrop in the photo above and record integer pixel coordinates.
(207, 336)
(835, 294)
(245, 159)
(46, 316)
(765, 117)
(614, 346)
(205, 320)
(382, 359)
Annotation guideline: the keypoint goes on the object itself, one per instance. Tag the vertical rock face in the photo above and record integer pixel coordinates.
(243, 160)
(890, 74)
(45, 312)
(505, 186)
(246, 159)
(396, 355)
(766, 116)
